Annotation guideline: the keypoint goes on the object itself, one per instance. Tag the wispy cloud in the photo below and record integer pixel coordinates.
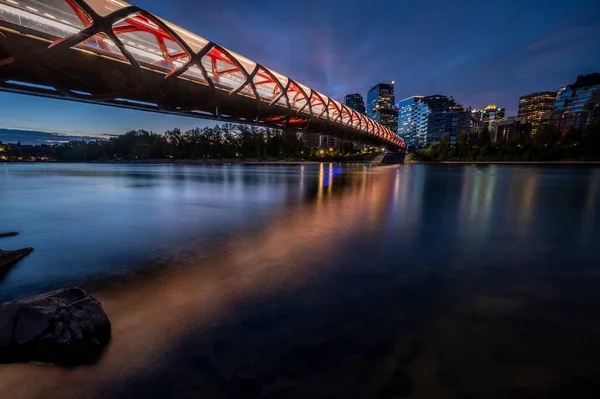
(558, 39)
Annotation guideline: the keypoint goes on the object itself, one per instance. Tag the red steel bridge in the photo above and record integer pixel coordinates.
(112, 53)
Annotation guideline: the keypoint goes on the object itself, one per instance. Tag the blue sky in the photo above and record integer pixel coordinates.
(478, 52)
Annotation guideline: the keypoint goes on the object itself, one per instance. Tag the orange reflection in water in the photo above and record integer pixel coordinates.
(151, 316)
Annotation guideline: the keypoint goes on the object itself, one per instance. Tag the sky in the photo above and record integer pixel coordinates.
(478, 52)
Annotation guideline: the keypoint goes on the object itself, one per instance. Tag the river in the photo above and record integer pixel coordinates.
(315, 280)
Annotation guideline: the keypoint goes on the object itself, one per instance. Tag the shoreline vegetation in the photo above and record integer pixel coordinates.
(546, 146)
(250, 145)
(226, 143)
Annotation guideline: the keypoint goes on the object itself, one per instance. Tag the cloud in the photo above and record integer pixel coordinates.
(560, 39)
(35, 137)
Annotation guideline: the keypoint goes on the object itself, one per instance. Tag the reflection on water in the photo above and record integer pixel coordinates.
(320, 281)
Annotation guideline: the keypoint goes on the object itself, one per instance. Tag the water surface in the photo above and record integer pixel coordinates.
(316, 281)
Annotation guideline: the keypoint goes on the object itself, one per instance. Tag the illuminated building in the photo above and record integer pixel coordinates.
(410, 112)
(492, 115)
(445, 119)
(356, 102)
(537, 108)
(380, 105)
(577, 105)
(476, 122)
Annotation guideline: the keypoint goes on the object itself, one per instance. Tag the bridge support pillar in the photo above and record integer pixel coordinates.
(393, 157)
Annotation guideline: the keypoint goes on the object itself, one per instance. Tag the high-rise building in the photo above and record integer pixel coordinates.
(537, 108)
(380, 105)
(491, 117)
(445, 119)
(427, 120)
(493, 113)
(578, 104)
(409, 113)
(477, 124)
(356, 102)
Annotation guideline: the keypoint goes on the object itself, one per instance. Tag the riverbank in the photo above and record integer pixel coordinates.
(208, 161)
(225, 161)
(506, 162)
(417, 158)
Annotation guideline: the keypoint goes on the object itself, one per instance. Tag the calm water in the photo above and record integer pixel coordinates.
(316, 281)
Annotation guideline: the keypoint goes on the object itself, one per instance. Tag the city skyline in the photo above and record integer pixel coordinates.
(344, 59)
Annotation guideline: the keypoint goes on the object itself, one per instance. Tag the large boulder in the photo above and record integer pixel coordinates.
(66, 327)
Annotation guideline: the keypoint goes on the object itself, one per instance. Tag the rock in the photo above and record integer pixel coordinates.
(10, 234)
(65, 327)
(7, 258)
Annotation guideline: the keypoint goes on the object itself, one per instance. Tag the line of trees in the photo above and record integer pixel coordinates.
(547, 144)
(221, 141)
(226, 141)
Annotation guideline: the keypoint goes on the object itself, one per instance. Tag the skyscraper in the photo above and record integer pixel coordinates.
(445, 119)
(537, 108)
(493, 113)
(578, 104)
(356, 102)
(492, 116)
(380, 105)
(477, 124)
(409, 111)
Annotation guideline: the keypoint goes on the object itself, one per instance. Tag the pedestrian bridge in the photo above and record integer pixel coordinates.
(112, 53)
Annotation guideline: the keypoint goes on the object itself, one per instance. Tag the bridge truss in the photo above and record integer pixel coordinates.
(112, 53)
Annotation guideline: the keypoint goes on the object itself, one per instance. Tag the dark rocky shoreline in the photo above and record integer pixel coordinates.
(66, 327)
(10, 257)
